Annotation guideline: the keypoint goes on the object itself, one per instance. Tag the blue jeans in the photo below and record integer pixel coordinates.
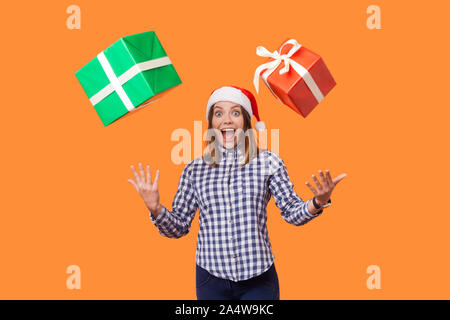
(262, 287)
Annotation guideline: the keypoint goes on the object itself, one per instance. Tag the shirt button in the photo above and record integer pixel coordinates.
(230, 221)
(231, 238)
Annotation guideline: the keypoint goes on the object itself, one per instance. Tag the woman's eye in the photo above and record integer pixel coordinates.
(218, 113)
(236, 113)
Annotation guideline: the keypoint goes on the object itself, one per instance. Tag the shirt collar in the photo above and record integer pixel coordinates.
(234, 152)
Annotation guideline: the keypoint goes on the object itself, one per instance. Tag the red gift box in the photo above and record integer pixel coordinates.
(297, 76)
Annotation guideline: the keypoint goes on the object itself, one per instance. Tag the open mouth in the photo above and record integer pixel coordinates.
(228, 134)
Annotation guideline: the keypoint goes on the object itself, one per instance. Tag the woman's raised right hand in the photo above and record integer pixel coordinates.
(147, 189)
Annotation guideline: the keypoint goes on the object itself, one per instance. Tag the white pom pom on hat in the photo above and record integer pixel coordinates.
(240, 96)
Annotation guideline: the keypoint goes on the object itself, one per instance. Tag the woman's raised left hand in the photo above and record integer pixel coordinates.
(323, 191)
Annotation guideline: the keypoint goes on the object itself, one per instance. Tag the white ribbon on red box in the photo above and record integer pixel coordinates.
(271, 66)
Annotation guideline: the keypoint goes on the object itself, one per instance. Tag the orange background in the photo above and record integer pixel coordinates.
(65, 195)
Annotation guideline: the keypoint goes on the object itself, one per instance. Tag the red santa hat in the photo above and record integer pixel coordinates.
(240, 96)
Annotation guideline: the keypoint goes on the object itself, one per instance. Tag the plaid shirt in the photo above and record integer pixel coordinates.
(233, 241)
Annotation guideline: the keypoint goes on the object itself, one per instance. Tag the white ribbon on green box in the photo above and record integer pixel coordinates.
(117, 82)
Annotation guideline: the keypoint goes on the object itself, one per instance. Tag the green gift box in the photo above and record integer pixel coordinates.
(127, 75)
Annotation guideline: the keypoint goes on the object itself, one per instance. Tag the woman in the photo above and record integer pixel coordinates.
(231, 185)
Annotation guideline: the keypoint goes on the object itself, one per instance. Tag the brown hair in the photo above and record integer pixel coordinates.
(251, 147)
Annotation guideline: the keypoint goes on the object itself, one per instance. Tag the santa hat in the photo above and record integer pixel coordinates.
(240, 96)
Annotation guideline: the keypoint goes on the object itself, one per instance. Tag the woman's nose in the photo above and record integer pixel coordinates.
(227, 118)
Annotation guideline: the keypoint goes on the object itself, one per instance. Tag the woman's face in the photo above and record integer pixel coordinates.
(227, 115)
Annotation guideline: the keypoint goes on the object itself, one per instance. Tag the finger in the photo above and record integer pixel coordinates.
(135, 174)
(322, 179)
(311, 188)
(149, 176)
(330, 180)
(339, 178)
(141, 169)
(317, 182)
(157, 179)
(134, 184)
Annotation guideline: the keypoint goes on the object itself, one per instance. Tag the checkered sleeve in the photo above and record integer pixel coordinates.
(177, 223)
(293, 209)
